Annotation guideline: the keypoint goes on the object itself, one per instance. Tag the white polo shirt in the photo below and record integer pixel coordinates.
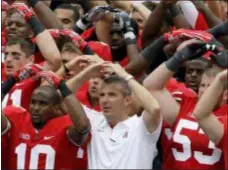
(127, 146)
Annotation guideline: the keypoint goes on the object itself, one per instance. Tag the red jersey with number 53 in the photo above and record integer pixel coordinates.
(48, 148)
(188, 147)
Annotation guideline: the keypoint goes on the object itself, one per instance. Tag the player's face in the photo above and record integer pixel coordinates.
(117, 39)
(41, 109)
(15, 59)
(112, 101)
(94, 87)
(66, 17)
(193, 75)
(17, 26)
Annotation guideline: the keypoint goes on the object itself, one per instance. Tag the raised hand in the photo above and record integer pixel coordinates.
(191, 49)
(27, 71)
(118, 69)
(96, 13)
(96, 69)
(124, 21)
(50, 77)
(24, 10)
(76, 38)
(78, 64)
(55, 33)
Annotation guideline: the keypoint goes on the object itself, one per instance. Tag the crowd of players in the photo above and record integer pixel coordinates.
(114, 84)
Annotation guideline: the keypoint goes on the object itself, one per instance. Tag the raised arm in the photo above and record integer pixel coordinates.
(155, 20)
(142, 9)
(26, 72)
(94, 70)
(158, 79)
(211, 18)
(219, 30)
(203, 111)
(78, 133)
(178, 17)
(146, 57)
(45, 14)
(50, 52)
(81, 126)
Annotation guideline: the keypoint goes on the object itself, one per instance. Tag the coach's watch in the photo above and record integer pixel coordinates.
(128, 77)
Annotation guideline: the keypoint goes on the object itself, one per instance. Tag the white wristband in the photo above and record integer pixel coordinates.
(129, 35)
(81, 25)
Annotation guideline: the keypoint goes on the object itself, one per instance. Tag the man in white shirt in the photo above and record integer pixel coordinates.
(119, 141)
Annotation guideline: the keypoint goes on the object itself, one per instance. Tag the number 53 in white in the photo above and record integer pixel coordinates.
(186, 144)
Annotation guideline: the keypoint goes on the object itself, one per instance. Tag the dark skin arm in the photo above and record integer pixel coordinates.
(156, 20)
(136, 66)
(81, 126)
(210, 17)
(178, 18)
(47, 16)
(132, 52)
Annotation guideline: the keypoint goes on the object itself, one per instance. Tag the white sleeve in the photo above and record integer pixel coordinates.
(151, 137)
(190, 12)
(93, 116)
(7, 128)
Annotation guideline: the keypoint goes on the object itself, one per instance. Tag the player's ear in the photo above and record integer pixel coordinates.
(127, 101)
(57, 109)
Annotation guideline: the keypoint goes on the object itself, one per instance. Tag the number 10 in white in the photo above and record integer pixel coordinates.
(34, 156)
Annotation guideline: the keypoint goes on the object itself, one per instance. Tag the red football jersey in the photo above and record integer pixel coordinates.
(188, 147)
(48, 148)
(101, 49)
(224, 142)
(20, 94)
(179, 90)
(4, 151)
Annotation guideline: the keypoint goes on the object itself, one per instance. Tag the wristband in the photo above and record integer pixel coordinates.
(174, 63)
(130, 38)
(36, 25)
(154, 50)
(64, 90)
(174, 10)
(85, 131)
(32, 3)
(81, 25)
